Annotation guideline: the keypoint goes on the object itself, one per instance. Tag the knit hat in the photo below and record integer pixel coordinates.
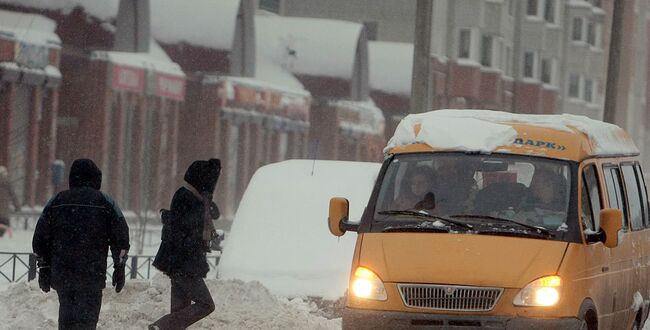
(203, 174)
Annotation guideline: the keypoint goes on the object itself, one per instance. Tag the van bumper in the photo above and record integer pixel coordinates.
(369, 319)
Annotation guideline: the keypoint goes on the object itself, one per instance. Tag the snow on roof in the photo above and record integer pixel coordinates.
(156, 60)
(371, 118)
(310, 46)
(29, 28)
(206, 23)
(273, 74)
(448, 129)
(390, 66)
(279, 235)
(102, 9)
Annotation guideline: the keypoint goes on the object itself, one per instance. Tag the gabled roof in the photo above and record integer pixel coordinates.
(309, 46)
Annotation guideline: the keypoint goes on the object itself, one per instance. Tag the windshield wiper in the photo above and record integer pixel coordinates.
(424, 214)
(415, 228)
(541, 230)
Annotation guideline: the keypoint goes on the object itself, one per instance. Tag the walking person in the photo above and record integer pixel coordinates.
(187, 232)
(7, 195)
(71, 243)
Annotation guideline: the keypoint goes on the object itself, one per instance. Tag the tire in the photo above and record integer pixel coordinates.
(588, 317)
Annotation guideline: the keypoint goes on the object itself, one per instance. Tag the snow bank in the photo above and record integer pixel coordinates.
(30, 28)
(488, 134)
(238, 306)
(279, 235)
(390, 66)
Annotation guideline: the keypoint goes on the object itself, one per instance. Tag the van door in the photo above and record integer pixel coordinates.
(623, 257)
(597, 275)
(638, 219)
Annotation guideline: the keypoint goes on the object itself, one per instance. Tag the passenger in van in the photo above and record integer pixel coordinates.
(416, 191)
(454, 185)
(545, 203)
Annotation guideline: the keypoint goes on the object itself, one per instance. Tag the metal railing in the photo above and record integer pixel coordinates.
(17, 266)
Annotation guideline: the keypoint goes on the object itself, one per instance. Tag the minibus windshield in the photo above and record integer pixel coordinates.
(496, 194)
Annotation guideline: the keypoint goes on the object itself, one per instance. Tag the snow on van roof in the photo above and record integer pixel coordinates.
(30, 28)
(486, 130)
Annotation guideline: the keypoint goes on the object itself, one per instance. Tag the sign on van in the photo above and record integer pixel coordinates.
(539, 143)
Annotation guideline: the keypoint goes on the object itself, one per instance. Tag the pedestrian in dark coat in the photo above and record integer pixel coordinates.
(71, 242)
(187, 231)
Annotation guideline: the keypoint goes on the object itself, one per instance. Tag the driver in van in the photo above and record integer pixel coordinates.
(454, 185)
(416, 191)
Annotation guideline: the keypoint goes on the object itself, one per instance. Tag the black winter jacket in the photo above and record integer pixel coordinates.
(182, 250)
(76, 229)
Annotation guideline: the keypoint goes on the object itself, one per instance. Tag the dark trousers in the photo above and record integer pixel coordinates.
(185, 290)
(79, 308)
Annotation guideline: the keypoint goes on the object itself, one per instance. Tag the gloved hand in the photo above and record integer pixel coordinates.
(44, 278)
(119, 277)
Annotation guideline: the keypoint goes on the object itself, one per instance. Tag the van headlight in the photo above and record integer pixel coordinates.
(367, 285)
(543, 291)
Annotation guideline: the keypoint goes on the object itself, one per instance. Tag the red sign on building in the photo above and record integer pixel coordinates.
(128, 78)
(170, 86)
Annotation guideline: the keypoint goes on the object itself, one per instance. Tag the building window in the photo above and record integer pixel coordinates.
(591, 33)
(589, 89)
(577, 29)
(547, 71)
(270, 5)
(532, 8)
(464, 43)
(511, 7)
(529, 64)
(549, 11)
(486, 50)
(574, 86)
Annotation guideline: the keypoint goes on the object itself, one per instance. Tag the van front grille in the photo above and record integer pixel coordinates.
(450, 297)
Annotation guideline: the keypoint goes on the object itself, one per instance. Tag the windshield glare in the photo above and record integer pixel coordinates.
(476, 189)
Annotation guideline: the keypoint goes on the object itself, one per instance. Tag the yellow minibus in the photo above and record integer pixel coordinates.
(486, 219)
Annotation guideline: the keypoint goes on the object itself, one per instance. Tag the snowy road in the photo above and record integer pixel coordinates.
(238, 306)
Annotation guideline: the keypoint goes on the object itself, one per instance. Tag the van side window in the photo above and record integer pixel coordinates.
(633, 197)
(590, 198)
(615, 191)
(644, 194)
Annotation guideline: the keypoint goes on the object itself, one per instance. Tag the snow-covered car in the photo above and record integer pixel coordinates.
(279, 237)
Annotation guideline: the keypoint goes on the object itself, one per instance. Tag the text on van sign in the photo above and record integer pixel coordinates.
(539, 143)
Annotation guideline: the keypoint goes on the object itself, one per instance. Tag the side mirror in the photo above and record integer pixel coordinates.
(338, 217)
(611, 222)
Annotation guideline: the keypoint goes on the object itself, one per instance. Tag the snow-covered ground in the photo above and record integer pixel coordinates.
(239, 305)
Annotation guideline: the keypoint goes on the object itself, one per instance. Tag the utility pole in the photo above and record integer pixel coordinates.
(421, 81)
(613, 65)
